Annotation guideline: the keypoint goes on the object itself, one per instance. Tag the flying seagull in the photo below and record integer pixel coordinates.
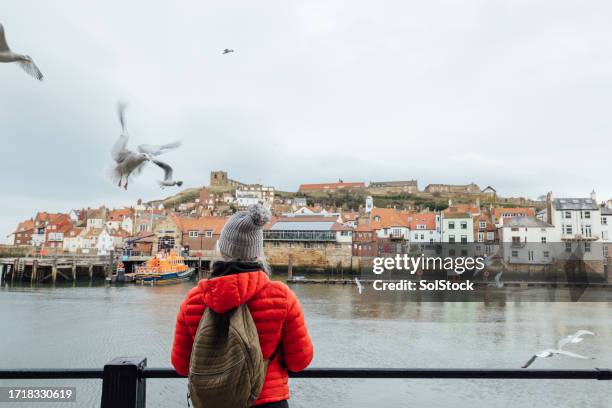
(25, 61)
(127, 161)
(359, 286)
(227, 51)
(168, 180)
(574, 338)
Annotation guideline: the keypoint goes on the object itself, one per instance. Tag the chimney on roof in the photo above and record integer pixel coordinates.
(549, 200)
(478, 202)
(593, 196)
(450, 202)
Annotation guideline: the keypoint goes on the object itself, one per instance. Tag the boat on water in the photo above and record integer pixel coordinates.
(163, 269)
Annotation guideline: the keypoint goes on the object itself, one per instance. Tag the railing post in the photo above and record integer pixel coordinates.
(122, 384)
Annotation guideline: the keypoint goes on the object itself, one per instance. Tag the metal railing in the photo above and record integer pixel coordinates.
(124, 378)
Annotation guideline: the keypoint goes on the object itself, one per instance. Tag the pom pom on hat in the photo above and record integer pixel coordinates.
(259, 214)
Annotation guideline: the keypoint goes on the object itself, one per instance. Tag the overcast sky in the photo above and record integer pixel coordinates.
(516, 95)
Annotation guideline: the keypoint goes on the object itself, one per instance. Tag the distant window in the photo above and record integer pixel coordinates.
(514, 229)
(193, 234)
(483, 224)
(587, 214)
(604, 220)
(587, 247)
(463, 225)
(464, 252)
(514, 254)
(451, 225)
(546, 254)
(209, 234)
(275, 244)
(543, 240)
(567, 215)
(451, 239)
(307, 245)
(568, 229)
(568, 247)
(464, 239)
(451, 252)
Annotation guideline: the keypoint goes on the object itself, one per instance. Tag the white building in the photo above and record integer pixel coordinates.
(253, 194)
(104, 242)
(425, 228)
(606, 224)
(578, 219)
(457, 228)
(74, 240)
(528, 240)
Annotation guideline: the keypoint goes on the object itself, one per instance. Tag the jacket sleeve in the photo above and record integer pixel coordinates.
(183, 342)
(297, 346)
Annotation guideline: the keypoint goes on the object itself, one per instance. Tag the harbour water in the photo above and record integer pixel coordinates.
(86, 326)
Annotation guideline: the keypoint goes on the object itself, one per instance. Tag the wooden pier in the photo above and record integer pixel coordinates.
(52, 269)
(74, 268)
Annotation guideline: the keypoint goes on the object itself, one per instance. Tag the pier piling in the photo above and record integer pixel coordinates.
(34, 276)
(54, 271)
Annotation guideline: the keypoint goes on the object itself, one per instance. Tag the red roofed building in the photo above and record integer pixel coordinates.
(364, 241)
(484, 230)
(330, 187)
(499, 214)
(424, 227)
(57, 226)
(23, 234)
(122, 218)
(200, 234)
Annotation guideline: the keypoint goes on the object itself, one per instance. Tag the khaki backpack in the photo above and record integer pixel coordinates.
(226, 369)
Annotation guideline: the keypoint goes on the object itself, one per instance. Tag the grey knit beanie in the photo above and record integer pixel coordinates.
(242, 235)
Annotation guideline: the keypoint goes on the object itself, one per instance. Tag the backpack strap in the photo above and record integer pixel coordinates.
(274, 353)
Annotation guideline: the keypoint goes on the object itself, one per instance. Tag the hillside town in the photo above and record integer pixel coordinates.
(324, 225)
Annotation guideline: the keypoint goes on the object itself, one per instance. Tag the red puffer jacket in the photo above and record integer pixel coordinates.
(277, 314)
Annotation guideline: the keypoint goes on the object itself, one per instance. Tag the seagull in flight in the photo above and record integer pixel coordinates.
(227, 51)
(128, 162)
(168, 181)
(359, 286)
(574, 338)
(25, 61)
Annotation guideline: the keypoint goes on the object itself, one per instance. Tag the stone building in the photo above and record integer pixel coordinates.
(471, 188)
(393, 187)
(311, 242)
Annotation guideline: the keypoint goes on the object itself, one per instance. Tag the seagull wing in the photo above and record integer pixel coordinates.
(121, 113)
(119, 152)
(564, 341)
(581, 333)
(167, 169)
(31, 68)
(530, 361)
(570, 354)
(3, 45)
(155, 150)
